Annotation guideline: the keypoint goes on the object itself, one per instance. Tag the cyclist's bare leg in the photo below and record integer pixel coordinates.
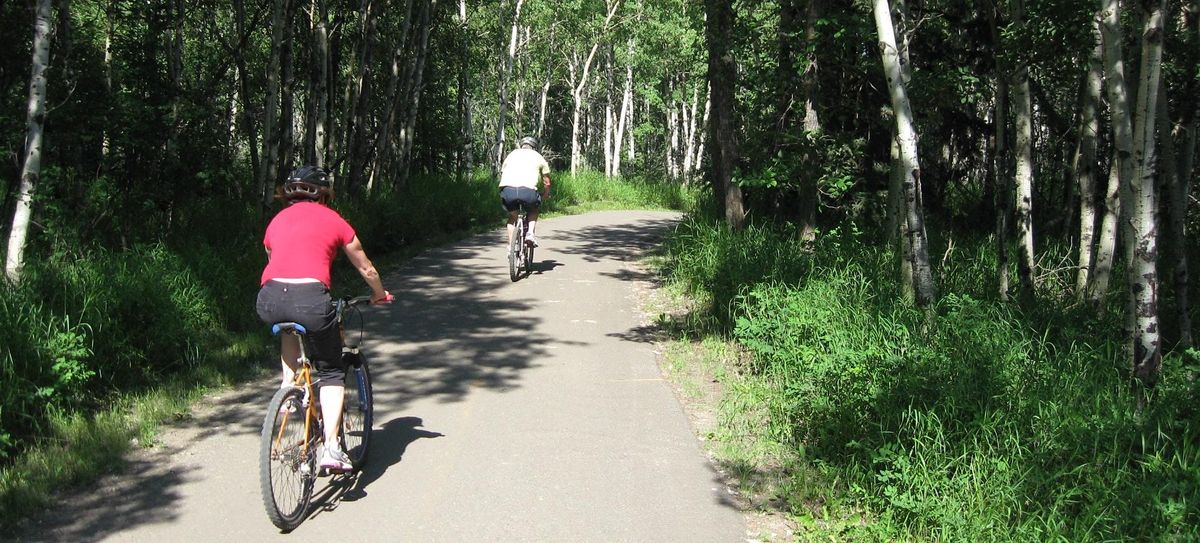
(331, 410)
(289, 354)
(531, 220)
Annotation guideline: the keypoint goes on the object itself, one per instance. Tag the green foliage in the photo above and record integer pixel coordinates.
(977, 421)
(590, 190)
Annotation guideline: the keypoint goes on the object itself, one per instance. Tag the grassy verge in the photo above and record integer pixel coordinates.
(100, 347)
(864, 419)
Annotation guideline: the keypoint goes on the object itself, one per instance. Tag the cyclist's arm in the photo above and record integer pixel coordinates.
(358, 257)
(546, 185)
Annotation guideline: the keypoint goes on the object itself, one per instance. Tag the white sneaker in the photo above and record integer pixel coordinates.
(531, 240)
(334, 458)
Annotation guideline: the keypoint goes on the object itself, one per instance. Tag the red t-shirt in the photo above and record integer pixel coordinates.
(303, 240)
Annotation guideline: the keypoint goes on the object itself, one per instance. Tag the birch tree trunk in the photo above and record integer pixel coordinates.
(316, 133)
(1000, 166)
(1143, 274)
(541, 118)
(287, 100)
(809, 191)
(624, 115)
(270, 148)
(609, 124)
(1024, 168)
(243, 75)
(673, 140)
(1085, 162)
(722, 74)
(413, 91)
(701, 141)
(505, 73)
(691, 128)
(358, 132)
(579, 69)
(400, 69)
(31, 169)
(465, 158)
(897, 228)
(1118, 103)
(109, 32)
(910, 165)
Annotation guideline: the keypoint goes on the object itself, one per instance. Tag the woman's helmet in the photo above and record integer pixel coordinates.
(306, 183)
(531, 141)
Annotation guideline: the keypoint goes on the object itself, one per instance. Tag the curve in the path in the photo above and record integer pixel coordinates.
(526, 411)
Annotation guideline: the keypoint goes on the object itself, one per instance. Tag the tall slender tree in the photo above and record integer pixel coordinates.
(31, 168)
(910, 165)
(1143, 273)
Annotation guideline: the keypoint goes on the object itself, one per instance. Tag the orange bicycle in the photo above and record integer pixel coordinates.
(292, 430)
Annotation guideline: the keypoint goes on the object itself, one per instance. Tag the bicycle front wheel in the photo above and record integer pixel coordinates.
(287, 459)
(528, 258)
(357, 412)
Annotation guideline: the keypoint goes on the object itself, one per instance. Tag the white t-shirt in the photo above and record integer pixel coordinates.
(523, 168)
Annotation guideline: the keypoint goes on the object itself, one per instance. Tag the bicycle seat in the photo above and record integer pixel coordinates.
(288, 327)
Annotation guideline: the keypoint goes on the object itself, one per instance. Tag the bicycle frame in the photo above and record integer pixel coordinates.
(302, 380)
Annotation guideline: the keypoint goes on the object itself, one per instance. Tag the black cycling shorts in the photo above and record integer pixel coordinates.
(310, 305)
(512, 198)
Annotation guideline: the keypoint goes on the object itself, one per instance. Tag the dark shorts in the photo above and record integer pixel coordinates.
(309, 305)
(514, 197)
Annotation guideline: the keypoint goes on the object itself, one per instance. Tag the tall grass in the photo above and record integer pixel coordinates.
(982, 421)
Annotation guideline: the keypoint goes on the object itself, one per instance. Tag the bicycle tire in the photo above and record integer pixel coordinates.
(287, 460)
(528, 258)
(358, 413)
(514, 254)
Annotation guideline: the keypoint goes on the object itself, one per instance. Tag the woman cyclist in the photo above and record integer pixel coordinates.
(301, 243)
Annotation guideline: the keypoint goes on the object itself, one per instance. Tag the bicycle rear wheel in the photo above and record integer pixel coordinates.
(287, 460)
(514, 252)
(357, 412)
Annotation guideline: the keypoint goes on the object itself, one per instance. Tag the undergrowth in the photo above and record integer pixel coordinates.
(980, 420)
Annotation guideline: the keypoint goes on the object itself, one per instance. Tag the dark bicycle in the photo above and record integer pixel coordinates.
(292, 429)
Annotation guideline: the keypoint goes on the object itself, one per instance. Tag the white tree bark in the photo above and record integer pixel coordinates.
(31, 169)
(609, 129)
(690, 128)
(673, 124)
(1143, 274)
(1118, 103)
(1023, 180)
(625, 114)
(1085, 162)
(510, 55)
(579, 68)
(700, 143)
(906, 136)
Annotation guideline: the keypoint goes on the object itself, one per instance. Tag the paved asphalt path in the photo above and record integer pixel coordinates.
(527, 411)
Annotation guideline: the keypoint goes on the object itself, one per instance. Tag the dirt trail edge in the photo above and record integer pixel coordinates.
(526, 411)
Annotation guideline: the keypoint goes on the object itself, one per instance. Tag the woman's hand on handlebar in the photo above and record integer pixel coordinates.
(386, 298)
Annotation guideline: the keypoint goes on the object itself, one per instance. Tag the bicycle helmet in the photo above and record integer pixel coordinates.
(306, 182)
(531, 141)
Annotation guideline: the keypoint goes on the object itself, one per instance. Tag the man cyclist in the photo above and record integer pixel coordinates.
(519, 176)
(302, 241)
